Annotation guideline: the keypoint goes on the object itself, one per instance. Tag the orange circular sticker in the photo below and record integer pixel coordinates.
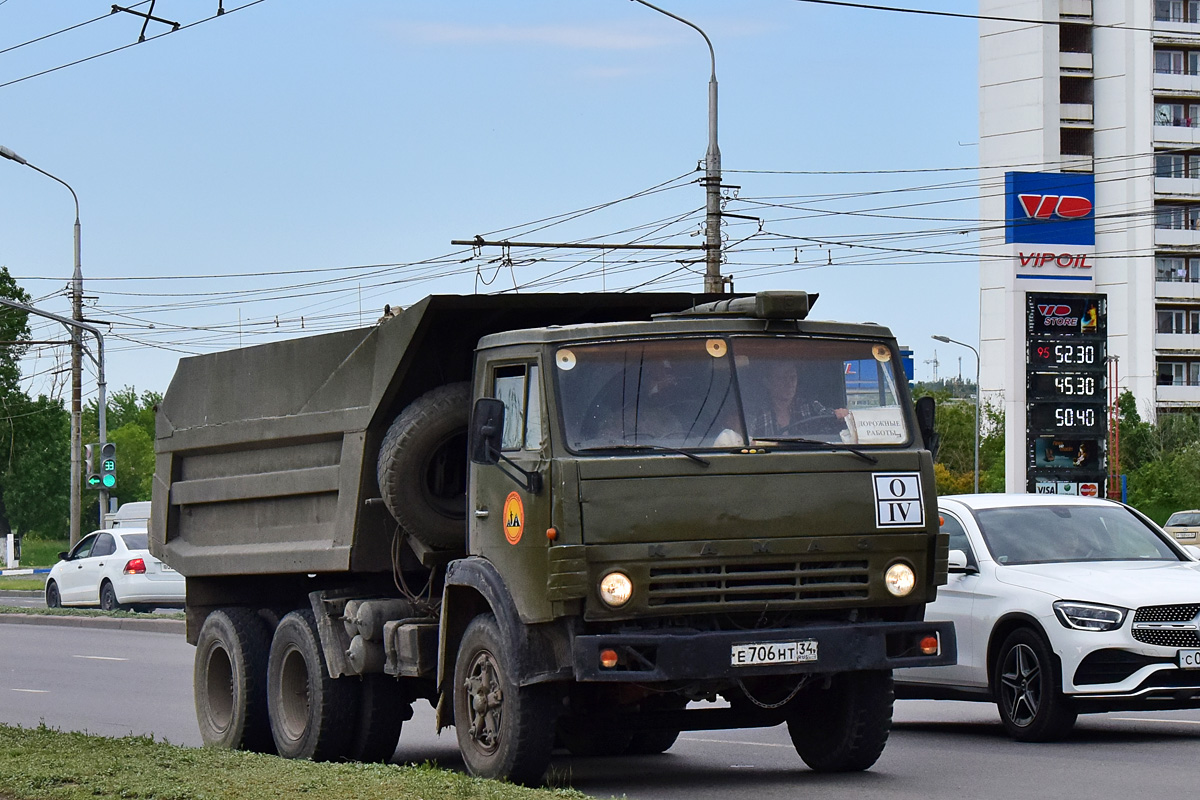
(514, 518)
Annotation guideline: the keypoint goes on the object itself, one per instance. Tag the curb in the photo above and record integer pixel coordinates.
(178, 626)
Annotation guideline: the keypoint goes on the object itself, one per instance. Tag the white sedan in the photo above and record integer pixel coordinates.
(113, 569)
(1063, 605)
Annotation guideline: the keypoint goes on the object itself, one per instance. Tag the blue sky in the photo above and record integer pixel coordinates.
(292, 166)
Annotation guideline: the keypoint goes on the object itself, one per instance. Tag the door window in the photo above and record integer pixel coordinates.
(105, 546)
(518, 387)
(84, 548)
(958, 537)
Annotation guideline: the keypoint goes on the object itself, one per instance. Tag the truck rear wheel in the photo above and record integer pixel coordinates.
(504, 731)
(422, 468)
(383, 706)
(844, 727)
(230, 681)
(312, 715)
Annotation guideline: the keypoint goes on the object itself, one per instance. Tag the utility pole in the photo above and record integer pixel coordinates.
(76, 354)
(713, 282)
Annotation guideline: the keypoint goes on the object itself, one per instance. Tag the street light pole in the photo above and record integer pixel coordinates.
(76, 354)
(948, 340)
(713, 282)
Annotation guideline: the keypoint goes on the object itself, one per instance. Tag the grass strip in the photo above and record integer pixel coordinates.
(90, 612)
(25, 583)
(45, 764)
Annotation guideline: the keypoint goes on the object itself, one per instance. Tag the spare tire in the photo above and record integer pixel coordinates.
(422, 466)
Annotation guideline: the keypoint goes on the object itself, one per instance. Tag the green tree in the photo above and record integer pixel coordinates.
(35, 469)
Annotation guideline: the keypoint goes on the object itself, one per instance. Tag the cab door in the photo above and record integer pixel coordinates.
(509, 522)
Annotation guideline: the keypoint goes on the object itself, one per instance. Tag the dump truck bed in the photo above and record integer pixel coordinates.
(265, 455)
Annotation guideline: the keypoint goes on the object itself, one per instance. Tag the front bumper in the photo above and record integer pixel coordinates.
(703, 655)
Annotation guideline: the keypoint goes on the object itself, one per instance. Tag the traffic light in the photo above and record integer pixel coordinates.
(108, 465)
(91, 479)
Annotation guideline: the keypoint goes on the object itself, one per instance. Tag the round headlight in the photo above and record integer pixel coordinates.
(616, 589)
(900, 579)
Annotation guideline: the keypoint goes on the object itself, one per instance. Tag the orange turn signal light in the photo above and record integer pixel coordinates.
(608, 658)
(929, 645)
(552, 533)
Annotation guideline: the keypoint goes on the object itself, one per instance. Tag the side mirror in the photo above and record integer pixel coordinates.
(926, 422)
(487, 430)
(958, 562)
(63, 555)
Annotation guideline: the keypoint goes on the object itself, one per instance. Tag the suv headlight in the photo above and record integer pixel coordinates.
(1088, 616)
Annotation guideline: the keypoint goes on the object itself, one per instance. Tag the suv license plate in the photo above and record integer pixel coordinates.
(1189, 659)
(750, 655)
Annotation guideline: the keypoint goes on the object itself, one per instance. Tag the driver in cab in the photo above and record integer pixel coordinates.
(782, 410)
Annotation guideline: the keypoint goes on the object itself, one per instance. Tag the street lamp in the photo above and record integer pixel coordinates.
(948, 340)
(76, 353)
(713, 282)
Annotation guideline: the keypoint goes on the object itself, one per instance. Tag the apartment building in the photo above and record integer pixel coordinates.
(1111, 91)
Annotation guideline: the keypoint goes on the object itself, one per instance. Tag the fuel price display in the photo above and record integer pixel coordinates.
(1066, 392)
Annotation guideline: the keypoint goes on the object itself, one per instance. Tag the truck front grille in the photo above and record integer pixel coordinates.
(751, 585)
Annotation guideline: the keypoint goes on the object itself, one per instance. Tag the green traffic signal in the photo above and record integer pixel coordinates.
(108, 465)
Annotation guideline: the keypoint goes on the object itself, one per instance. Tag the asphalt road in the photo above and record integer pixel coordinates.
(117, 682)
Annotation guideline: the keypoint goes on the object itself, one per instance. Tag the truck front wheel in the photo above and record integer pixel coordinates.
(843, 728)
(505, 731)
(230, 681)
(312, 715)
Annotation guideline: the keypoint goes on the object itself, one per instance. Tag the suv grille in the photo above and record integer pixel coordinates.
(1167, 626)
(755, 584)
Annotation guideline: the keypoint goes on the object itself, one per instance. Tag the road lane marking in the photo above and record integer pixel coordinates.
(33, 691)
(1152, 719)
(101, 658)
(733, 741)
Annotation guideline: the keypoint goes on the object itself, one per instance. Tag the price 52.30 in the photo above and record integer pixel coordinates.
(1082, 354)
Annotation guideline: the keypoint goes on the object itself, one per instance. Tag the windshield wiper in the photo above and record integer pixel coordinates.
(815, 444)
(659, 447)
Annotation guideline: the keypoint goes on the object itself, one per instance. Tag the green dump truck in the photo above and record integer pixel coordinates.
(564, 520)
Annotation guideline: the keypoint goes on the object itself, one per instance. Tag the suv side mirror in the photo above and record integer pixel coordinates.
(926, 421)
(487, 430)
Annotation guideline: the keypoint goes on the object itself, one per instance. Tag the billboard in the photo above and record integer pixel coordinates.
(1051, 208)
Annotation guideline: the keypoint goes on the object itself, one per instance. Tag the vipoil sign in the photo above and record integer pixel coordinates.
(1051, 224)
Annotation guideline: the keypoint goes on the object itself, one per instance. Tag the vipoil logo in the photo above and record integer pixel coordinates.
(1048, 206)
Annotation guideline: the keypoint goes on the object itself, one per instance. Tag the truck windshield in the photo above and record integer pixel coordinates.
(728, 392)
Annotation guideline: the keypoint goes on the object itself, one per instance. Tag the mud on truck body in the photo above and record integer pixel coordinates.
(560, 519)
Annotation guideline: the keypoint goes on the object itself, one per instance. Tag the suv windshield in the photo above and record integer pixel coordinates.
(728, 392)
(1042, 534)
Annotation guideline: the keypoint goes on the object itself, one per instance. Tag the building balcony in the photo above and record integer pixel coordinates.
(1179, 188)
(1176, 83)
(1177, 290)
(1075, 114)
(1176, 237)
(1176, 342)
(1177, 395)
(1168, 28)
(1075, 63)
(1075, 8)
(1176, 134)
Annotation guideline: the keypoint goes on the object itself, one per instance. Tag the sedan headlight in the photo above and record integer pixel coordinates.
(616, 589)
(1088, 616)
